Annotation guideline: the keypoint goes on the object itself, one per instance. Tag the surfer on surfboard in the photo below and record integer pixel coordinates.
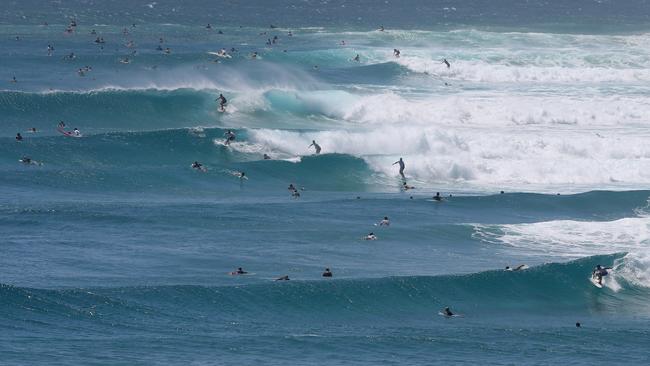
(222, 102)
(599, 272)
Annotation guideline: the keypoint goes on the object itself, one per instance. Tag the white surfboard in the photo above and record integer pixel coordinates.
(594, 281)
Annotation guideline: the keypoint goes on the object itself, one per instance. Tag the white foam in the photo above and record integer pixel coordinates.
(572, 239)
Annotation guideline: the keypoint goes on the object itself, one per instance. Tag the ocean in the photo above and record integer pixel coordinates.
(115, 250)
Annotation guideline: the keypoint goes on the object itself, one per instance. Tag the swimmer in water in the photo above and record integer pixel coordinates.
(401, 167)
(384, 222)
(19, 137)
(315, 145)
(327, 273)
(370, 236)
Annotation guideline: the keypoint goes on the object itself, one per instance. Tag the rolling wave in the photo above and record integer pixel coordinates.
(542, 290)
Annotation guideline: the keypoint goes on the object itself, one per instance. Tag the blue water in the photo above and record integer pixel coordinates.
(114, 251)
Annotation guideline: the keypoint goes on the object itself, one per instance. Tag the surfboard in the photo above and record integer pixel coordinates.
(450, 316)
(234, 273)
(223, 55)
(68, 133)
(594, 281)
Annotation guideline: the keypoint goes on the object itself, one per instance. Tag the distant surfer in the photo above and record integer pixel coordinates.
(239, 271)
(518, 268)
(76, 132)
(315, 145)
(241, 175)
(381, 28)
(13, 80)
(396, 52)
(356, 58)
(282, 278)
(599, 272)
(446, 312)
(267, 157)
(19, 137)
(401, 167)
(437, 197)
(384, 222)
(222, 102)
(32, 130)
(444, 61)
(198, 166)
(406, 187)
(327, 273)
(370, 236)
(230, 137)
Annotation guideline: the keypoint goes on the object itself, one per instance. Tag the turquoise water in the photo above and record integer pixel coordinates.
(114, 251)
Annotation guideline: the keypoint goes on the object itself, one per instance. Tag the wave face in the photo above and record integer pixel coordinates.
(516, 111)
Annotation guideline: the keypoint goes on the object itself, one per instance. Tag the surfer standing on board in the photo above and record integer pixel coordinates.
(315, 145)
(401, 167)
(222, 102)
(599, 272)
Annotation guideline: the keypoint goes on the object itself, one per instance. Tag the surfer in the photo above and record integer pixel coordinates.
(396, 52)
(401, 167)
(13, 80)
(437, 197)
(61, 125)
(19, 137)
(283, 278)
(518, 268)
(76, 132)
(381, 28)
(384, 222)
(444, 61)
(327, 273)
(230, 136)
(239, 271)
(267, 157)
(26, 160)
(222, 102)
(599, 272)
(370, 236)
(32, 130)
(295, 194)
(356, 58)
(315, 145)
(198, 166)
(406, 187)
(447, 312)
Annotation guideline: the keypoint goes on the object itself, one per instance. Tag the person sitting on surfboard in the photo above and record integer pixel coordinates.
(76, 132)
(222, 102)
(437, 197)
(19, 137)
(239, 271)
(447, 312)
(327, 273)
(600, 272)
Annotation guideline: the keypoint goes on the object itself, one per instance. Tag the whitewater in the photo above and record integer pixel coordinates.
(114, 250)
